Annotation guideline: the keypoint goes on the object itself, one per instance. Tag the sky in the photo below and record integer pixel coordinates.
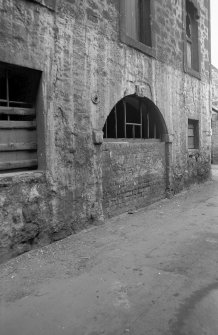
(214, 32)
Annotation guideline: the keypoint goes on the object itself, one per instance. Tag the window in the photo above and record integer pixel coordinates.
(193, 137)
(18, 141)
(133, 117)
(192, 49)
(136, 25)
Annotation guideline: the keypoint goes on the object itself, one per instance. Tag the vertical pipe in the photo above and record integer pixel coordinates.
(133, 131)
(155, 130)
(148, 125)
(7, 89)
(124, 105)
(141, 119)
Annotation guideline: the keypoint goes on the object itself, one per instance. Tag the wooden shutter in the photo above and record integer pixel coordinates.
(18, 140)
(18, 144)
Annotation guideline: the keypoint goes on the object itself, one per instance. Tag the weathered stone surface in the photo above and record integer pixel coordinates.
(78, 50)
(134, 175)
(214, 115)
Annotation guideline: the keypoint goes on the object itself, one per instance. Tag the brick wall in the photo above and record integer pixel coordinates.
(134, 175)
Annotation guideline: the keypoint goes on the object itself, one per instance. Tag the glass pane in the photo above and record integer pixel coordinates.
(132, 19)
(191, 142)
(189, 54)
(191, 131)
(145, 22)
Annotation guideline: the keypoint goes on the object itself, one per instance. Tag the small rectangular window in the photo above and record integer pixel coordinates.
(136, 25)
(18, 140)
(193, 137)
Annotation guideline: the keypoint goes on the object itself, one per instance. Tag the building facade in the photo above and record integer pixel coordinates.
(214, 121)
(105, 107)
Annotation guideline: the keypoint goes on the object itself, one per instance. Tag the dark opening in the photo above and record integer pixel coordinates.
(133, 117)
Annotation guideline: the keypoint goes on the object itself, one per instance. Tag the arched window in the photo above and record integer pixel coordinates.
(133, 117)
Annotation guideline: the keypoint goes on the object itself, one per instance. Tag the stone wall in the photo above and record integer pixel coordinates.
(214, 72)
(214, 115)
(86, 70)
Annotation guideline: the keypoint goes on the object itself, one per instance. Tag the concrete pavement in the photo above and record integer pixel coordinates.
(149, 273)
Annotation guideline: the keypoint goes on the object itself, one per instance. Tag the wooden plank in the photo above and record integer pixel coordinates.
(18, 164)
(18, 136)
(17, 146)
(17, 124)
(22, 155)
(17, 111)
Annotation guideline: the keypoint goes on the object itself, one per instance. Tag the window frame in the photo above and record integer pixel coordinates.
(187, 69)
(136, 44)
(195, 124)
(19, 120)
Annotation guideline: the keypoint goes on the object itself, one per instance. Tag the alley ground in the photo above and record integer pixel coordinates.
(147, 273)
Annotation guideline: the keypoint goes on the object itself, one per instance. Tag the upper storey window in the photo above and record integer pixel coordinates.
(136, 25)
(192, 47)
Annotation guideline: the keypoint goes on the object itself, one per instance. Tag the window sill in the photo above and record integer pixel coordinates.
(131, 140)
(6, 179)
(193, 73)
(150, 51)
(50, 4)
(193, 152)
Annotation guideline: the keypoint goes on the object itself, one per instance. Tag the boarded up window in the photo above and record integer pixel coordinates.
(18, 140)
(193, 138)
(133, 117)
(192, 53)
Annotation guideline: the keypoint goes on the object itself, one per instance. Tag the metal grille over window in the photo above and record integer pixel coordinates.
(133, 117)
(18, 140)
